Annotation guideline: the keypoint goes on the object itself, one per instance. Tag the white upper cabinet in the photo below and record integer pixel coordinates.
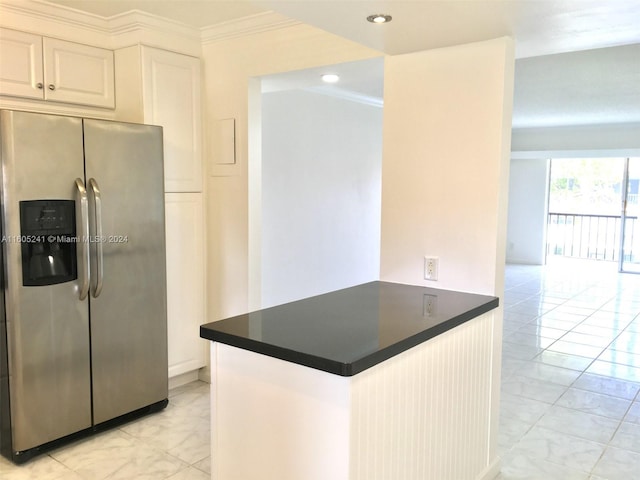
(21, 71)
(171, 98)
(76, 73)
(44, 68)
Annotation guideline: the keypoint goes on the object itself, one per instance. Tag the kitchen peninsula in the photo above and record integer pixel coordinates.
(377, 381)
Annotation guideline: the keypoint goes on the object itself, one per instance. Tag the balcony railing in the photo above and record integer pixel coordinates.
(595, 237)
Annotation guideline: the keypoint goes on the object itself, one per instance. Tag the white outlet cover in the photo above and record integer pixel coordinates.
(431, 268)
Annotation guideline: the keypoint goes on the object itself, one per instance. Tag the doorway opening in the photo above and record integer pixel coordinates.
(315, 180)
(593, 210)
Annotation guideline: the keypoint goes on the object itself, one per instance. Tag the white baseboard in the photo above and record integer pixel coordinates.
(492, 471)
(183, 379)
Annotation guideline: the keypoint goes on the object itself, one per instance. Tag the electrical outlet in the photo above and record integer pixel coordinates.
(431, 268)
(429, 305)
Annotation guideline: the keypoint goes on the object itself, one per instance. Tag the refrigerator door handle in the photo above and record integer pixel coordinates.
(97, 202)
(84, 240)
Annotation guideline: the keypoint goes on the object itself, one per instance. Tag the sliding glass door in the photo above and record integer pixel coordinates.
(630, 238)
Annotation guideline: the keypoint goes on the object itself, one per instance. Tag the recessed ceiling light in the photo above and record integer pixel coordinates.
(330, 78)
(379, 18)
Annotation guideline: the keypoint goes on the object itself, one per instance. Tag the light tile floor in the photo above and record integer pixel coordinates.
(173, 444)
(570, 373)
(570, 393)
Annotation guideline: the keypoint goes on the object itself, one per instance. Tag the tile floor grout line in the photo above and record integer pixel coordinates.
(615, 335)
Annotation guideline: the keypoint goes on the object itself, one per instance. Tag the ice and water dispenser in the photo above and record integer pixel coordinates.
(48, 241)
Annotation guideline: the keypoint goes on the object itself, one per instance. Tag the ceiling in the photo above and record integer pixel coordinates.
(195, 13)
(360, 81)
(540, 27)
(591, 87)
(578, 60)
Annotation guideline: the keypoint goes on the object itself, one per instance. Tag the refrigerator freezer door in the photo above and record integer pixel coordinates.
(128, 316)
(47, 326)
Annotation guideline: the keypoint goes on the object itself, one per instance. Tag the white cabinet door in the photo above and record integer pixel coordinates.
(76, 73)
(43, 68)
(185, 281)
(163, 88)
(21, 64)
(171, 91)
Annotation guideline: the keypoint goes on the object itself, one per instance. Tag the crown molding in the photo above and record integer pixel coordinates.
(137, 19)
(347, 95)
(45, 18)
(249, 25)
(42, 11)
(136, 26)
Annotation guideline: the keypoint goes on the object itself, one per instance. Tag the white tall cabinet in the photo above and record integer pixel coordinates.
(185, 282)
(163, 88)
(171, 98)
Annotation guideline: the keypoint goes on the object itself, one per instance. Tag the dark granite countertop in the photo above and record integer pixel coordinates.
(347, 331)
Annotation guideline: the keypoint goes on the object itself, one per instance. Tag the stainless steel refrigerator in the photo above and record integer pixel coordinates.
(83, 330)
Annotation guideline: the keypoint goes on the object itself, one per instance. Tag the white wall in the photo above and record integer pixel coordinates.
(445, 175)
(321, 188)
(447, 129)
(609, 140)
(230, 69)
(527, 221)
(528, 191)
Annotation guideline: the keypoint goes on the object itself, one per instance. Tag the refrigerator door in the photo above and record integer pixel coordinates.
(47, 326)
(128, 288)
